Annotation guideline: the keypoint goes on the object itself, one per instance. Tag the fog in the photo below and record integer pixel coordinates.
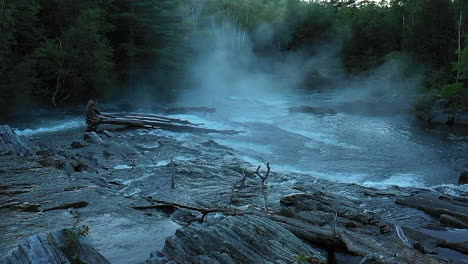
(230, 62)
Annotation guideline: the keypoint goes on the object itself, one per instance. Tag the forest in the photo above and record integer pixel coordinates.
(64, 52)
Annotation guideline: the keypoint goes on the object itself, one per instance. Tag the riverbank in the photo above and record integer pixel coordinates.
(108, 177)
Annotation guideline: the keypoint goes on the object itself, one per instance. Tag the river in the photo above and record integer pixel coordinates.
(368, 149)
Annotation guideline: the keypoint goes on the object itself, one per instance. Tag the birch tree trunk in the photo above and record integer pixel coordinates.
(460, 21)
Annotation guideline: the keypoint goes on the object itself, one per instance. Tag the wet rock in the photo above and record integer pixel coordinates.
(157, 257)
(14, 144)
(452, 221)
(441, 118)
(244, 239)
(59, 246)
(93, 137)
(437, 205)
(77, 145)
(461, 247)
(463, 179)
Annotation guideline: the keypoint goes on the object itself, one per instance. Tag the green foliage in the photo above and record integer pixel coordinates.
(73, 239)
(456, 94)
(303, 258)
(65, 51)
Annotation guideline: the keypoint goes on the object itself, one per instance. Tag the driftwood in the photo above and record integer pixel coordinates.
(94, 118)
(263, 187)
(203, 211)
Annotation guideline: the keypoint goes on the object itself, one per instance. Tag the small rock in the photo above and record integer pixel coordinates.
(77, 145)
(463, 179)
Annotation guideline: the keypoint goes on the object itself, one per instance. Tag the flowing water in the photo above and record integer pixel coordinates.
(373, 150)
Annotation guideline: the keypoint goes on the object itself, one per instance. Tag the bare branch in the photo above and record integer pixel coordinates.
(203, 211)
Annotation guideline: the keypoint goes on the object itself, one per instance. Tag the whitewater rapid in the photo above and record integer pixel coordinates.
(373, 151)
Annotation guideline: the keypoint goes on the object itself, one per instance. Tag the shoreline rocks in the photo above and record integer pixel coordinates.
(64, 246)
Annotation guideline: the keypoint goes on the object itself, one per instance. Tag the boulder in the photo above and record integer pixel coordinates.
(463, 179)
(64, 246)
(14, 144)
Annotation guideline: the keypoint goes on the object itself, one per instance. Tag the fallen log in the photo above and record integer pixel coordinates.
(94, 118)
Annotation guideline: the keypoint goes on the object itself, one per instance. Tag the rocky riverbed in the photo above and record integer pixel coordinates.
(112, 182)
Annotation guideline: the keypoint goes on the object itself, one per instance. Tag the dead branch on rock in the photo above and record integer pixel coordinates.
(203, 211)
(26, 207)
(79, 204)
(94, 118)
(238, 184)
(264, 178)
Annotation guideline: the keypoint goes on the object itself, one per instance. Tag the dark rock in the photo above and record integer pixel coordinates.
(312, 110)
(59, 246)
(461, 247)
(14, 144)
(441, 118)
(244, 239)
(463, 179)
(79, 165)
(77, 145)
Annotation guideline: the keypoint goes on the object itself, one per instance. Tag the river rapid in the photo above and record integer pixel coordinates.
(367, 148)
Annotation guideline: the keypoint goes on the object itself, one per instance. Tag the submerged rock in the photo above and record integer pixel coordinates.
(441, 118)
(59, 246)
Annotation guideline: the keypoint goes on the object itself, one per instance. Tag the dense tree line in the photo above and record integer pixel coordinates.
(58, 52)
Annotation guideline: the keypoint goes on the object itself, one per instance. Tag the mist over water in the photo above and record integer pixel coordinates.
(346, 139)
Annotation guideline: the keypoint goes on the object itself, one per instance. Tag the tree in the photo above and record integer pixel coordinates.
(79, 61)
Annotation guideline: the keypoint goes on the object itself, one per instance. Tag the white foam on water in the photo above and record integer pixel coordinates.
(451, 189)
(320, 137)
(206, 123)
(399, 179)
(52, 128)
(245, 146)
